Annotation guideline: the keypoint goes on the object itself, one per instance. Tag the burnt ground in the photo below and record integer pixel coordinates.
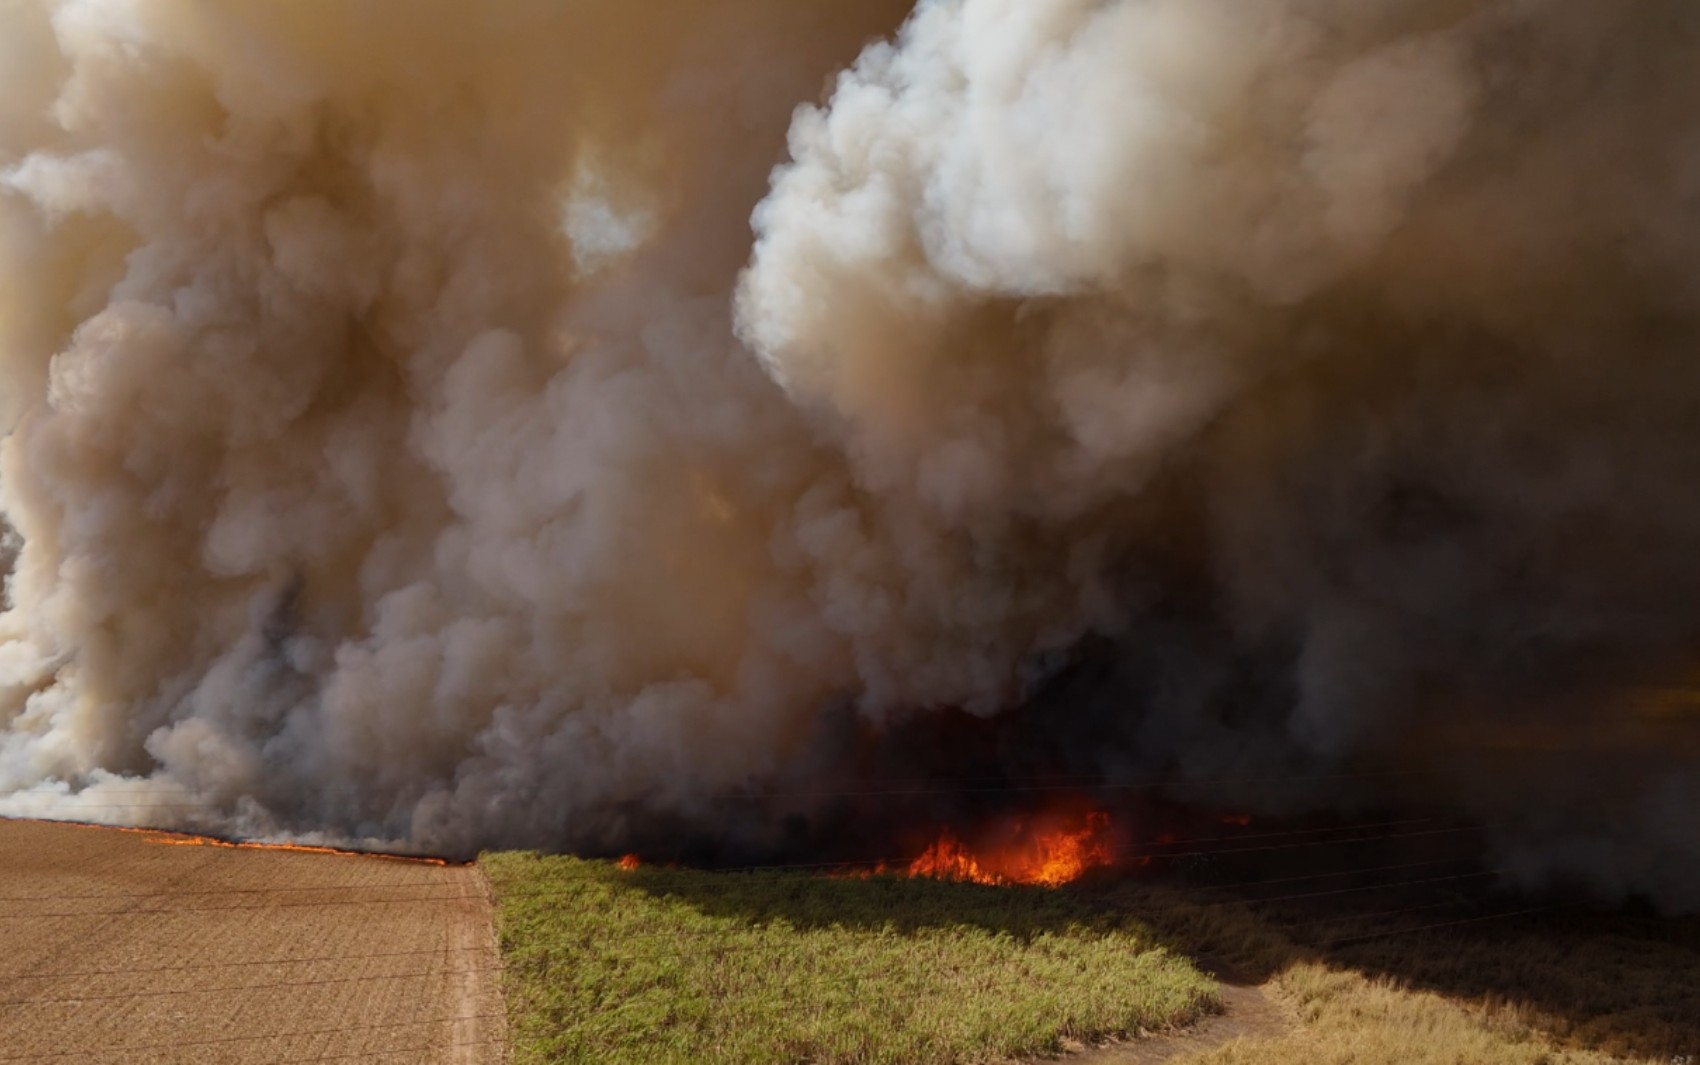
(119, 948)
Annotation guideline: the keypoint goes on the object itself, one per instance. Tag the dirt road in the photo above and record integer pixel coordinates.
(118, 948)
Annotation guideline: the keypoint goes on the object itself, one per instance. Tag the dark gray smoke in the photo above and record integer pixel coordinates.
(398, 453)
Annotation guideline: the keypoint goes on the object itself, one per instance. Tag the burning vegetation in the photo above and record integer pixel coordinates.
(1050, 848)
(1046, 851)
(185, 839)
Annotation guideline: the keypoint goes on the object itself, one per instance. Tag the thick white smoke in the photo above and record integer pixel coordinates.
(398, 453)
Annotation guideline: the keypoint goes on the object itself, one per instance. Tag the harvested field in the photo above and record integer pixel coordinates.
(118, 948)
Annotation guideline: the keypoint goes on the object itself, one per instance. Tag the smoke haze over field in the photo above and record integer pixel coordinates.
(410, 440)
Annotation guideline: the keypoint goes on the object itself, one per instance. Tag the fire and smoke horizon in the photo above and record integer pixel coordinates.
(518, 423)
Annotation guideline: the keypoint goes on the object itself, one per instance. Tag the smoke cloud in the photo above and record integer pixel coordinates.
(411, 441)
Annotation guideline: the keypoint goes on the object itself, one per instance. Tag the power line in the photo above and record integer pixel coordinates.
(1368, 915)
(1380, 887)
(1451, 924)
(1320, 876)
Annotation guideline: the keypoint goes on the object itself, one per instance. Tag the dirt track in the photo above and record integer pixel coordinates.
(1248, 1014)
(126, 951)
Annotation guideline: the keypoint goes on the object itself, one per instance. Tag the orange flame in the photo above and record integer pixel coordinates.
(1048, 856)
(180, 839)
(629, 862)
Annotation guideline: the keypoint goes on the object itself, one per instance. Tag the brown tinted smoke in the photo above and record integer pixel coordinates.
(410, 440)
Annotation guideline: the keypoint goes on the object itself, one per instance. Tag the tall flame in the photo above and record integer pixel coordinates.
(1046, 854)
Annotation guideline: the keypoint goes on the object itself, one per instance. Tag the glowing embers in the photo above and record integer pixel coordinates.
(1047, 851)
(179, 839)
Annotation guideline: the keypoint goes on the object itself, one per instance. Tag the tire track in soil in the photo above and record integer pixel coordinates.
(1248, 1012)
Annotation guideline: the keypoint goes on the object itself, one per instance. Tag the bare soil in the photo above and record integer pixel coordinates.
(1248, 1012)
(118, 947)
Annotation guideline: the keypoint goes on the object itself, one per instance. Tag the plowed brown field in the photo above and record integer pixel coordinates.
(118, 948)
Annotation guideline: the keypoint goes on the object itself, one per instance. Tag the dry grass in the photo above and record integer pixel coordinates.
(1345, 1018)
(1557, 990)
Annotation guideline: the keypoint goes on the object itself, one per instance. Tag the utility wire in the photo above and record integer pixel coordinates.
(1452, 924)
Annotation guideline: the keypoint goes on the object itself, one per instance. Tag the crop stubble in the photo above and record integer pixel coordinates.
(123, 950)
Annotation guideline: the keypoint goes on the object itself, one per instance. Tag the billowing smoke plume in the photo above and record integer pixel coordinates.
(411, 441)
